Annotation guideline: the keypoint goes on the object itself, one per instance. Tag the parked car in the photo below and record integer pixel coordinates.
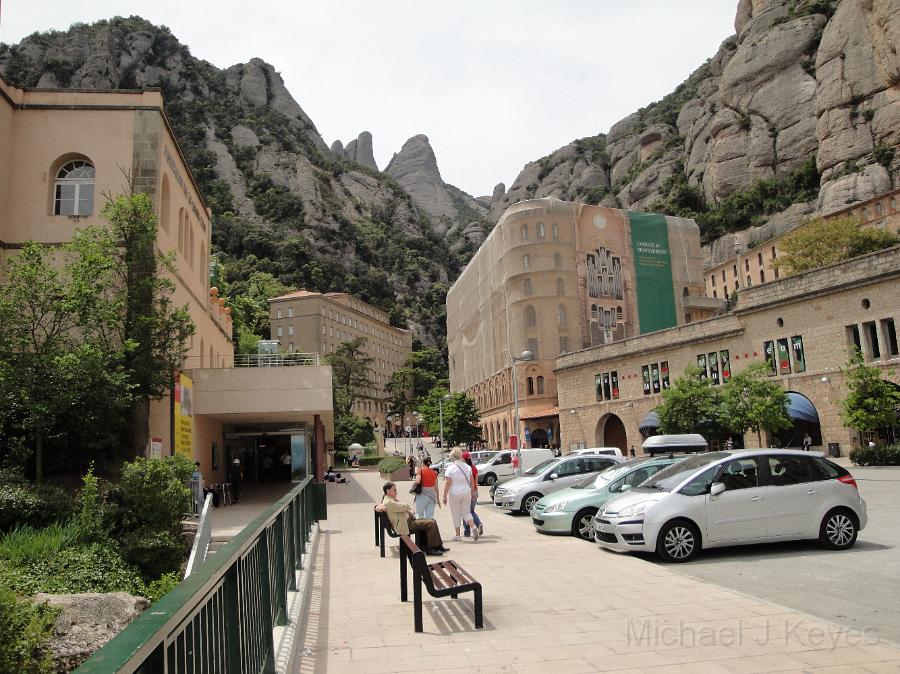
(500, 467)
(735, 498)
(522, 493)
(572, 510)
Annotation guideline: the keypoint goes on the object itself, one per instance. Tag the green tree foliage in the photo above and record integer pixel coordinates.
(349, 428)
(821, 242)
(351, 372)
(421, 372)
(25, 630)
(249, 302)
(691, 405)
(751, 401)
(872, 402)
(460, 416)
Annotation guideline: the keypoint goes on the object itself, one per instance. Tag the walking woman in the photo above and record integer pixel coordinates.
(427, 497)
(468, 459)
(458, 493)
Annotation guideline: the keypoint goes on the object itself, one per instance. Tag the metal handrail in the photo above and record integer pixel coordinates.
(275, 359)
(221, 618)
(200, 548)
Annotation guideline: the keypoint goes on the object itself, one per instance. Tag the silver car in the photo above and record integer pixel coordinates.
(522, 493)
(735, 498)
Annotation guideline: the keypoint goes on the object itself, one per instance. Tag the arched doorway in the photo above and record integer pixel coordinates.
(611, 433)
(539, 437)
(805, 419)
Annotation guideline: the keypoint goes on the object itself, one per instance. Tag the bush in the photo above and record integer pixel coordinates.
(369, 460)
(340, 458)
(24, 504)
(162, 586)
(389, 464)
(886, 455)
(27, 544)
(92, 515)
(155, 553)
(92, 568)
(25, 630)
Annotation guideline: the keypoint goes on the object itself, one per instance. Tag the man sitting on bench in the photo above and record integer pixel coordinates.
(404, 521)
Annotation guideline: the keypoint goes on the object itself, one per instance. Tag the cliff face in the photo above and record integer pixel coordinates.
(803, 100)
(283, 202)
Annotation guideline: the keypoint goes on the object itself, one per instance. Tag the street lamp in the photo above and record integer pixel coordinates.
(441, 411)
(525, 356)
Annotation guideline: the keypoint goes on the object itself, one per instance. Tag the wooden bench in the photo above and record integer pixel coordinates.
(441, 579)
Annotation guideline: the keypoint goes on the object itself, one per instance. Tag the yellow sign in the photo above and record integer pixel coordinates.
(184, 415)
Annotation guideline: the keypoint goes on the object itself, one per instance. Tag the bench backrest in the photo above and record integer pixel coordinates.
(417, 559)
(386, 524)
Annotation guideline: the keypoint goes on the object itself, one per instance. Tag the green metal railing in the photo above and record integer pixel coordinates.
(221, 618)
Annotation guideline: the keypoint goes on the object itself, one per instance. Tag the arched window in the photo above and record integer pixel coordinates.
(204, 264)
(524, 232)
(191, 246)
(181, 230)
(526, 261)
(165, 203)
(540, 386)
(557, 261)
(561, 314)
(555, 231)
(560, 286)
(530, 316)
(74, 192)
(529, 390)
(528, 287)
(540, 231)
(620, 316)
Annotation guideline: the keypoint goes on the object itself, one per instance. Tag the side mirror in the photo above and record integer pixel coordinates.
(553, 476)
(625, 487)
(716, 488)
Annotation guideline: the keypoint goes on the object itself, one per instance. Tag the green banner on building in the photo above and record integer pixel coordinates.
(652, 271)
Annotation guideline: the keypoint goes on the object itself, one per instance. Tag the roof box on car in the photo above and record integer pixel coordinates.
(686, 442)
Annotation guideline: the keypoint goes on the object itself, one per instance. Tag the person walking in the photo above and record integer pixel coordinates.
(411, 464)
(235, 476)
(467, 457)
(286, 465)
(427, 497)
(807, 442)
(458, 493)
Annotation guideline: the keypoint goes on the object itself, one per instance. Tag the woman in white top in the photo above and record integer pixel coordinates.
(458, 491)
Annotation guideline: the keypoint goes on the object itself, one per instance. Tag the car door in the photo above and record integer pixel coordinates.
(737, 514)
(793, 496)
(568, 473)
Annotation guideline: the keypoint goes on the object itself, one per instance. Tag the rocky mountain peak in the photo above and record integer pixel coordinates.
(358, 150)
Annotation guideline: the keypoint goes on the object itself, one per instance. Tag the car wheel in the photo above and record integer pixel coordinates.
(678, 541)
(490, 479)
(839, 529)
(529, 501)
(583, 524)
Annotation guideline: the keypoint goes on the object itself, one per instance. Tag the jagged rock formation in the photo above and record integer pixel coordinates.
(415, 169)
(282, 202)
(800, 80)
(358, 150)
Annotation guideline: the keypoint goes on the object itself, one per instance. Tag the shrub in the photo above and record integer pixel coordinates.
(370, 460)
(92, 513)
(25, 630)
(92, 568)
(27, 544)
(389, 464)
(886, 455)
(32, 505)
(162, 586)
(154, 553)
(340, 458)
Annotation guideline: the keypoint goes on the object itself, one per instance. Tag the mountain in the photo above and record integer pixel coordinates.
(283, 202)
(798, 112)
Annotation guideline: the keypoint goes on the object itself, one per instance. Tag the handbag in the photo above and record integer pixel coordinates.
(416, 488)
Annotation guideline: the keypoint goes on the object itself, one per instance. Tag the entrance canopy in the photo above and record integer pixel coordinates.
(800, 409)
(649, 423)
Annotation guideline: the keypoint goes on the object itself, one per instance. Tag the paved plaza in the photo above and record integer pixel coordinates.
(551, 604)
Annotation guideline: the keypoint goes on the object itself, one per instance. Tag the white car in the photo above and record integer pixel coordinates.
(735, 498)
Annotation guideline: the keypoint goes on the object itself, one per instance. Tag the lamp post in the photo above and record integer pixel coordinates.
(441, 412)
(525, 356)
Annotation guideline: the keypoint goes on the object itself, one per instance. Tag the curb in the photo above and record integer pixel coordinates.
(286, 653)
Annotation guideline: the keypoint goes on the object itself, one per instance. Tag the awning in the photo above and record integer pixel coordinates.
(650, 421)
(800, 409)
(543, 414)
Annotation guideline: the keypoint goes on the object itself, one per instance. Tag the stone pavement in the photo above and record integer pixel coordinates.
(550, 604)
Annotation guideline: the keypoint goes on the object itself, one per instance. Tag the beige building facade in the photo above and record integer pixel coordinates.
(61, 151)
(555, 277)
(311, 322)
(802, 327)
(756, 265)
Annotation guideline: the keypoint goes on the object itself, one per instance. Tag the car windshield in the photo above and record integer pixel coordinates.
(617, 470)
(669, 478)
(587, 482)
(541, 467)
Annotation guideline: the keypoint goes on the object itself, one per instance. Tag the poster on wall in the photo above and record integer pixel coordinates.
(726, 365)
(784, 357)
(713, 360)
(184, 414)
(664, 371)
(701, 363)
(654, 373)
(771, 363)
(645, 377)
(653, 271)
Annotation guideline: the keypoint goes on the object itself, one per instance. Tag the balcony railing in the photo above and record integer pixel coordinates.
(275, 359)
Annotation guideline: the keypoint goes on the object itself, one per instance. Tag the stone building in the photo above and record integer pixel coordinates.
(314, 322)
(60, 152)
(555, 277)
(801, 326)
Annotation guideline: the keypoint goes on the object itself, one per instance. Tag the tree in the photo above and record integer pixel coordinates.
(821, 242)
(350, 371)
(690, 405)
(750, 400)
(872, 402)
(460, 416)
(154, 329)
(349, 428)
(59, 351)
(249, 302)
(421, 372)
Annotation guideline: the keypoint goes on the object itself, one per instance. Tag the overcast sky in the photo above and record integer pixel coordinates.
(493, 84)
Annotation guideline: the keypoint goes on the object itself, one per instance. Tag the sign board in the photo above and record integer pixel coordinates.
(184, 415)
(155, 448)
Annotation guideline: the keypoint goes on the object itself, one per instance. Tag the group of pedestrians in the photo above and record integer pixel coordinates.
(460, 494)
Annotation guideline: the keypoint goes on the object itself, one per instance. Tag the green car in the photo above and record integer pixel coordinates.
(572, 510)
